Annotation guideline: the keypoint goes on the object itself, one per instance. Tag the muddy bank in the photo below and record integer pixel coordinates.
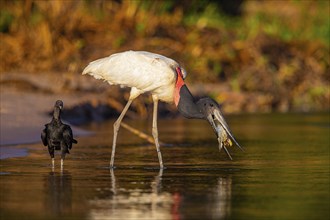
(24, 113)
(27, 101)
(96, 100)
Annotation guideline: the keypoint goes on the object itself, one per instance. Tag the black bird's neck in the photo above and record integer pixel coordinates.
(57, 115)
(185, 101)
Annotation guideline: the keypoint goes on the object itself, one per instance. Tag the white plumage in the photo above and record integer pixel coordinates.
(163, 78)
(142, 71)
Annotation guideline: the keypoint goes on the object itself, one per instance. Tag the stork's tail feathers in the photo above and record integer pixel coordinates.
(90, 69)
(87, 70)
(74, 141)
(95, 68)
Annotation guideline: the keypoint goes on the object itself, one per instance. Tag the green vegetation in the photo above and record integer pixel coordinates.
(270, 55)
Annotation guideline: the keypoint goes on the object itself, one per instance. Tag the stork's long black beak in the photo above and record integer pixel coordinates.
(218, 123)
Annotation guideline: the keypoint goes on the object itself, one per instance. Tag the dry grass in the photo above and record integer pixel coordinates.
(271, 51)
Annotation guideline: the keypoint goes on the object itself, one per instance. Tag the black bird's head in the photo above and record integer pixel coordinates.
(211, 111)
(59, 104)
(57, 109)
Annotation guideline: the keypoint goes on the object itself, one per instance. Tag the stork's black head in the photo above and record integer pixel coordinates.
(205, 108)
(211, 111)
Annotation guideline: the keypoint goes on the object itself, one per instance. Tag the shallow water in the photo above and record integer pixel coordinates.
(284, 173)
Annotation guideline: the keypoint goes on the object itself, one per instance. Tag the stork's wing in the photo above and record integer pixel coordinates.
(139, 69)
(44, 137)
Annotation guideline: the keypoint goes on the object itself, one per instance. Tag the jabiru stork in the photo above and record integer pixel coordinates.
(164, 78)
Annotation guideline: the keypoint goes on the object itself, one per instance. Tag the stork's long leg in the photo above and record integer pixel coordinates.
(116, 127)
(155, 133)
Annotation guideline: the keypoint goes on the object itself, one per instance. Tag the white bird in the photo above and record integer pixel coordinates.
(164, 78)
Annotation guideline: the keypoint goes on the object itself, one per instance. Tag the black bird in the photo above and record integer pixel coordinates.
(57, 135)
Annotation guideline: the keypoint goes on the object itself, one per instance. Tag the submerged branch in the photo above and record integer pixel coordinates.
(140, 133)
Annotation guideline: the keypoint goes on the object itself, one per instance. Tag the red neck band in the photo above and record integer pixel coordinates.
(178, 84)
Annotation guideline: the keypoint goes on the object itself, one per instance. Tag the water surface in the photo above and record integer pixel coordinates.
(284, 173)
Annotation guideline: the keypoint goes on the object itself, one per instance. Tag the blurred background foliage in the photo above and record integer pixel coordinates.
(255, 55)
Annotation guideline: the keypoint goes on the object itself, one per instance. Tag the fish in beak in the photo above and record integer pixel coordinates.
(220, 127)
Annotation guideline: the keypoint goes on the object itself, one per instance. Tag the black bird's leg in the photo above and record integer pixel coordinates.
(64, 150)
(62, 158)
(51, 153)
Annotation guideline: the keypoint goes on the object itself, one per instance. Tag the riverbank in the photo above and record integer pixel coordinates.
(264, 58)
(23, 115)
(27, 101)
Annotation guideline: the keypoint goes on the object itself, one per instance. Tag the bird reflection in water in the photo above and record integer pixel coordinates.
(58, 192)
(134, 202)
(128, 199)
